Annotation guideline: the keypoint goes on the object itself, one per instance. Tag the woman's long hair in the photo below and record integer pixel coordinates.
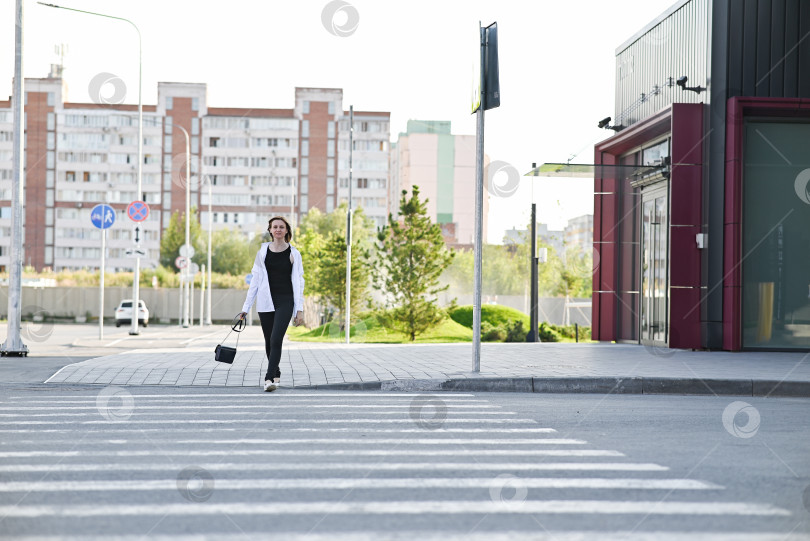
(288, 235)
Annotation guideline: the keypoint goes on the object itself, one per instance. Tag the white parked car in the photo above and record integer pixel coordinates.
(123, 314)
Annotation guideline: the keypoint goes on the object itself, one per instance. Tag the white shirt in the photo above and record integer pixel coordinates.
(259, 290)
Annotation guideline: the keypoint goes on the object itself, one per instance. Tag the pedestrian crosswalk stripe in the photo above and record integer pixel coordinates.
(580, 507)
(276, 407)
(337, 466)
(276, 421)
(292, 395)
(442, 536)
(328, 441)
(316, 452)
(346, 484)
(108, 426)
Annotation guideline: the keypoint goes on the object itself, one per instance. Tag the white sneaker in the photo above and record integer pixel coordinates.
(269, 386)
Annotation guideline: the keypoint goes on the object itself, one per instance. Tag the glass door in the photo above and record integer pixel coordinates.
(654, 310)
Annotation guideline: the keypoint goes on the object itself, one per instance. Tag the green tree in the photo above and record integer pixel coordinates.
(324, 261)
(231, 252)
(331, 282)
(412, 258)
(175, 236)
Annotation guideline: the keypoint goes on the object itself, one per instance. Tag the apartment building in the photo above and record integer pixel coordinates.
(246, 165)
(579, 233)
(443, 166)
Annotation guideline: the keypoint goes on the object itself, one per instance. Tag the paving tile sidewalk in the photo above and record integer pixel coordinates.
(544, 367)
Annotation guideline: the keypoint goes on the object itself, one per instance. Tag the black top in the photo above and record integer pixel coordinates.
(279, 272)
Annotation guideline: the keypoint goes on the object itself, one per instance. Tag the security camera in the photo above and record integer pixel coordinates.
(604, 122)
(681, 82)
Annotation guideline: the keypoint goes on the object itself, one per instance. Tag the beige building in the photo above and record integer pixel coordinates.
(443, 166)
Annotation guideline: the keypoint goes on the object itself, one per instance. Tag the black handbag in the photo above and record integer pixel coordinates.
(226, 354)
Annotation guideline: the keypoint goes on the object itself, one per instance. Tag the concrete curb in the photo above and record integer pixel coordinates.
(588, 385)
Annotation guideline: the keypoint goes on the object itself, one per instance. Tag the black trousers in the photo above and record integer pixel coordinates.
(274, 326)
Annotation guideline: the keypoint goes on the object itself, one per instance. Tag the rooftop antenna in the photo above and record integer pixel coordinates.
(57, 69)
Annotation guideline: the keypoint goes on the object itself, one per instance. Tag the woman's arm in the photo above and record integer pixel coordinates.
(253, 289)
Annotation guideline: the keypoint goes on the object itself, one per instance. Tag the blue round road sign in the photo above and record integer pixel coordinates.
(102, 216)
(137, 211)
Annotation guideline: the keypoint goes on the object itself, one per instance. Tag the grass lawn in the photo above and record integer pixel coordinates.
(369, 332)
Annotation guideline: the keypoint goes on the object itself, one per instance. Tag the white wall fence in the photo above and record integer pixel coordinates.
(82, 304)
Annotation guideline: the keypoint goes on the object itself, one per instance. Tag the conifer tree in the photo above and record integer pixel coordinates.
(412, 256)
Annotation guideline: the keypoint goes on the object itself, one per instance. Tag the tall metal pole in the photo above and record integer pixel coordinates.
(349, 229)
(210, 235)
(13, 344)
(101, 282)
(479, 221)
(139, 194)
(533, 273)
(187, 270)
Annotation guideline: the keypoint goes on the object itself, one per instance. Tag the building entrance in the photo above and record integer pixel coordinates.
(654, 298)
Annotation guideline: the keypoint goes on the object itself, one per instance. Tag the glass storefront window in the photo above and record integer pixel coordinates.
(776, 235)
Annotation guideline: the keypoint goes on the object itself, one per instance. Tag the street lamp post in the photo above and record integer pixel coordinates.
(210, 234)
(139, 194)
(187, 269)
(14, 344)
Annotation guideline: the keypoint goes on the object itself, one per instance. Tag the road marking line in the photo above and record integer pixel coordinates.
(311, 452)
(338, 466)
(366, 430)
(552, 507)
(327, 441)
(446, 536)
(325, 394)
(346, 484)
(275, 421)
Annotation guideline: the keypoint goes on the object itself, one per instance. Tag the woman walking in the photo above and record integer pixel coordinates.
(277, 287)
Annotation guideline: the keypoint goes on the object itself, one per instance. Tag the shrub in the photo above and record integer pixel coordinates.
(515, 332)
(548, 333)
(494, 314)
(492, 333)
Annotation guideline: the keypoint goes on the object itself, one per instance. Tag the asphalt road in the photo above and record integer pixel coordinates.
(187, 463)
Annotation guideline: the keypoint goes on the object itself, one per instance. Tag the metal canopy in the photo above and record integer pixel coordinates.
(591, 170)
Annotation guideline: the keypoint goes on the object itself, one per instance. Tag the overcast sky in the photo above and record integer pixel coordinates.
(414, 59)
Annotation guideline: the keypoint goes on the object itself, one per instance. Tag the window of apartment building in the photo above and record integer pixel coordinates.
(305, 128)
(195, 126)
(167, 143)
(304, 166)
(330, 128)
(167, 126)
(213, 142)
(304, 184)
(331, 108)
(195, 145)
(330, 149)
(304, 203)
(70, 176)
(305, 107)
(51, 141)
(195, 104)
(169, 102)
(343, 182)
(51, 99)
(362, 183)
(330, 203)
(50, 159)
(330, 185)
(330, 166)
(49, 177)
(304, 148)
(51, 121)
